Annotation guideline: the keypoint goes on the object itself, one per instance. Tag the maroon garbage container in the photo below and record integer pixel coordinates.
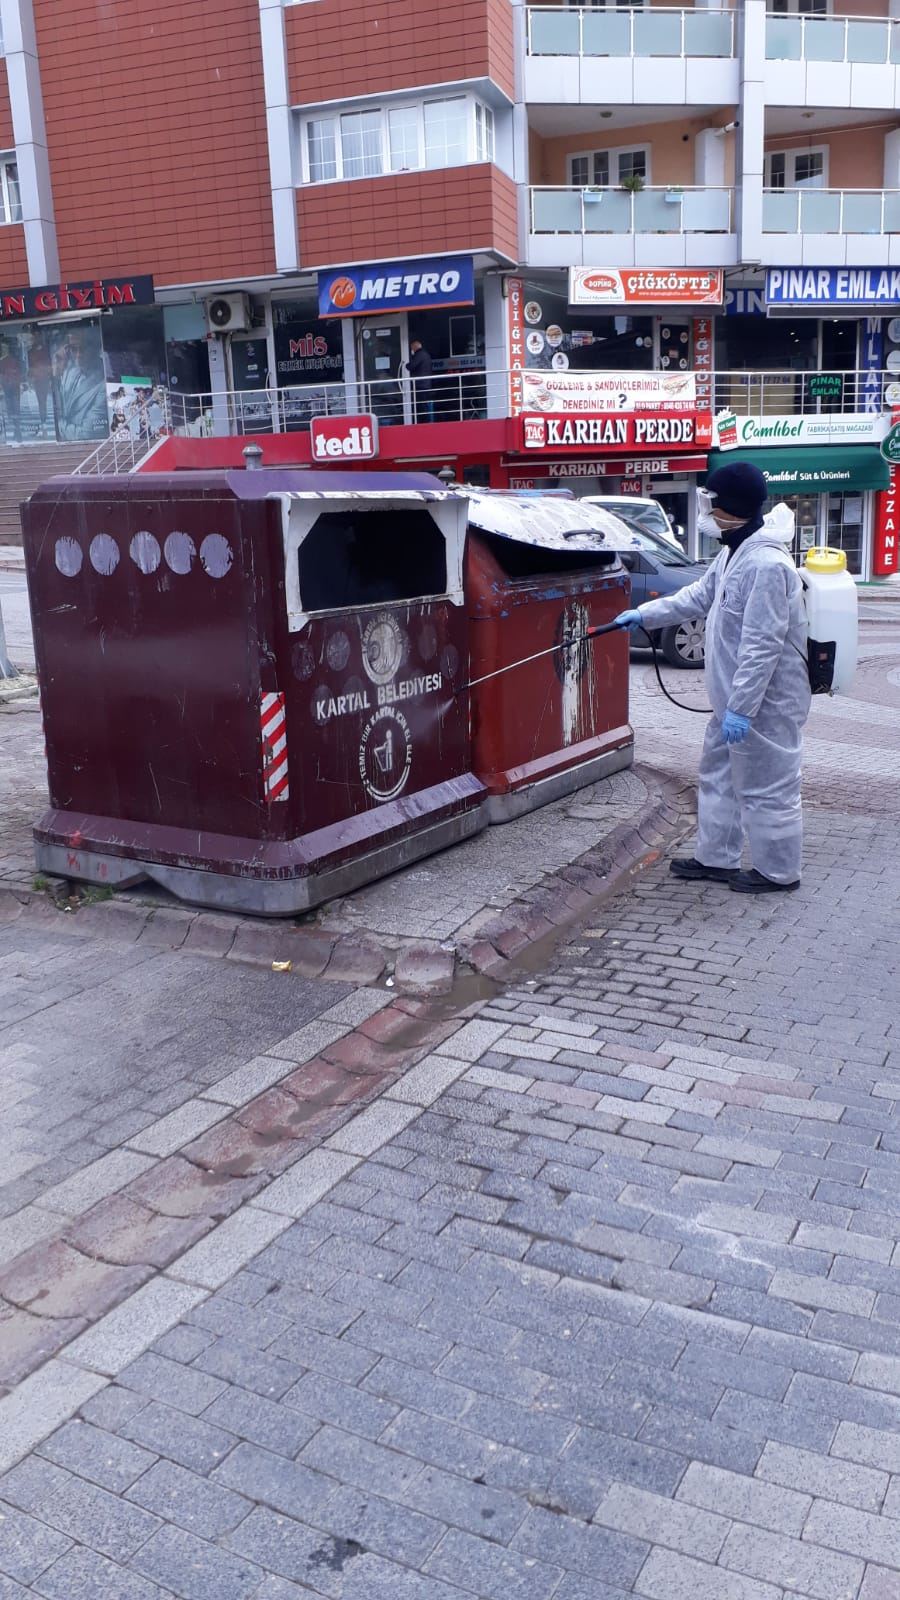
(247, 681)
(538, 575)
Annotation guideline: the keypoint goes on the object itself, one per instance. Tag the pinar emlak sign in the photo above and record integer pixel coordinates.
(654, 430)
(337, 439)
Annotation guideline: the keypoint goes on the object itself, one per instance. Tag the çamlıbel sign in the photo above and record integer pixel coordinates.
(832, 286)
(97, 294)
(397, 286)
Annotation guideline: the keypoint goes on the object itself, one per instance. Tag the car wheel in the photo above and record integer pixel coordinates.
(685, 644)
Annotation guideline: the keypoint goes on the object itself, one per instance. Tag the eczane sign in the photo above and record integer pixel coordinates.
(337, 439)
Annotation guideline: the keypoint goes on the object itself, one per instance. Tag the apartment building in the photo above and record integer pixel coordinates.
(630, 238)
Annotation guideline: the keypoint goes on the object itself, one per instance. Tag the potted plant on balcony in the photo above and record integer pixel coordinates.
(633, 184)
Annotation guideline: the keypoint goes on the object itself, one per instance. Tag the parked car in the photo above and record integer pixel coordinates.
(658, 568)
(646, 514)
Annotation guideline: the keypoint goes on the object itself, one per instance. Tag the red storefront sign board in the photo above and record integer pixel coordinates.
(633, 430)
(606, 467)
(885, 550)
(337, 439)
(703, 361)
(515, 327)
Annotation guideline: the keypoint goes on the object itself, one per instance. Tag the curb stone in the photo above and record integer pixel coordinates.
(417, 967)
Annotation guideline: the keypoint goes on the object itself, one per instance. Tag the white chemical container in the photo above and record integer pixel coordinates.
(833, 619)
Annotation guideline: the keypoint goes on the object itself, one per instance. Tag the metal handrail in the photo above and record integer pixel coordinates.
(631, 18)
(445, 397)
(770, 393)
(590, 208)
(805, 22)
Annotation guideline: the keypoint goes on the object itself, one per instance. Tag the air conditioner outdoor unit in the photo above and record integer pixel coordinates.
(228, 313)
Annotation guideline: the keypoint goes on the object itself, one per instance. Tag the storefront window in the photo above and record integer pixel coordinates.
(559, 338)
(309, 362)
(835, 520)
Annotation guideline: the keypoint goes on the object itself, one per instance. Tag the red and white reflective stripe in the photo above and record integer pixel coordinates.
(273, 735)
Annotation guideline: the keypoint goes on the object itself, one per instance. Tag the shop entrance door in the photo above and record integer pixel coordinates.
(250, 382)
(384, 352)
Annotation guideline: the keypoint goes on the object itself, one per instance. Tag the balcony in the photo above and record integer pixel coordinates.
(832, 61)
(793, 394)
(616, 227)
(832, 227)
(650, 57)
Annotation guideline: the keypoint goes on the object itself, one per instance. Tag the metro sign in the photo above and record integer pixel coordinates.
(344, 438)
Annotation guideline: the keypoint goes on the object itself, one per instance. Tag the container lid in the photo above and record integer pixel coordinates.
(553, 524)
(825, 560)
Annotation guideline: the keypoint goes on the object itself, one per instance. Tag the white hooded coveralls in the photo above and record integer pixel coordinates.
(756, 640)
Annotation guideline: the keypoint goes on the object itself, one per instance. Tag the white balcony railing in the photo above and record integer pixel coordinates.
(870, 41)
(624, 211)
(553, 31)
(875, 211)
(794, 393)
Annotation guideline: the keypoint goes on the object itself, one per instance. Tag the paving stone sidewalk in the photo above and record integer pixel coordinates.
(599, 1299)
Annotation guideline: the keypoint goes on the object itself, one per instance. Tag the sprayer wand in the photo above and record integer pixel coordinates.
(590, 633)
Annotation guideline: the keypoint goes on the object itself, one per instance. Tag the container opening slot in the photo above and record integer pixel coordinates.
(364, 558)
(517, 560)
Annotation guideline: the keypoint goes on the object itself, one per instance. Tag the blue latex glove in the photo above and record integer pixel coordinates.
(630, 620)
(735, 728)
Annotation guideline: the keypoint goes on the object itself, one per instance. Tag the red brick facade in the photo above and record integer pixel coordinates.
(411, 214)
(156, 126)
(341, 48)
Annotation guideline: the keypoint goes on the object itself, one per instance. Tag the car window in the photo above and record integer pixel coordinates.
(666, 553)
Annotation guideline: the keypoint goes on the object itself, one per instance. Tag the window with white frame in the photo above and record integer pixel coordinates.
(451, 131)
(10, 198)
(800, 8)
(601, 169)
(797, 169)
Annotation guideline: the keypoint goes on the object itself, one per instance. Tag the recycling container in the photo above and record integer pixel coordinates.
(538, 574)
(247, 680)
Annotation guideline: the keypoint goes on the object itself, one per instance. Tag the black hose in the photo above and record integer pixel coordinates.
(703, 711)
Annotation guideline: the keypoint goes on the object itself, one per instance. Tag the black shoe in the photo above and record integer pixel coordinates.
(688, 867)
(753, 882)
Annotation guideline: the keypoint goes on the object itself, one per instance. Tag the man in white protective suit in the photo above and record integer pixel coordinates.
(758, 682)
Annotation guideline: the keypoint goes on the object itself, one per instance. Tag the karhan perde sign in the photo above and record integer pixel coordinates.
(397, 286)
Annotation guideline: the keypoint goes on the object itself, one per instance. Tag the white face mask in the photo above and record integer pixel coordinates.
(708, 526)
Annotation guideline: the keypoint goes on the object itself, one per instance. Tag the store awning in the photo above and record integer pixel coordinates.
(815, 469)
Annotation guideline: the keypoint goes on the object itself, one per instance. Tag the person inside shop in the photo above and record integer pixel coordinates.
(420, 367)
(12, 374)
(758, 683)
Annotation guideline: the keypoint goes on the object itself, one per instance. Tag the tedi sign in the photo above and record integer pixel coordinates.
(344, 438)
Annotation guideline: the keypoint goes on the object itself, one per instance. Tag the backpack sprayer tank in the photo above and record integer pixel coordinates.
(832, 613)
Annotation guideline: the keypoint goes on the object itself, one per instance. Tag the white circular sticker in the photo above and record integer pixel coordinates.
(69, 557)
(893, 330)
(534, 343)
(533, 312)
(385, 754)
(893, 361)
(180, 552)
(560, 361)
(145, 553)
(554, 336)
(892, 394)
(104, 554)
